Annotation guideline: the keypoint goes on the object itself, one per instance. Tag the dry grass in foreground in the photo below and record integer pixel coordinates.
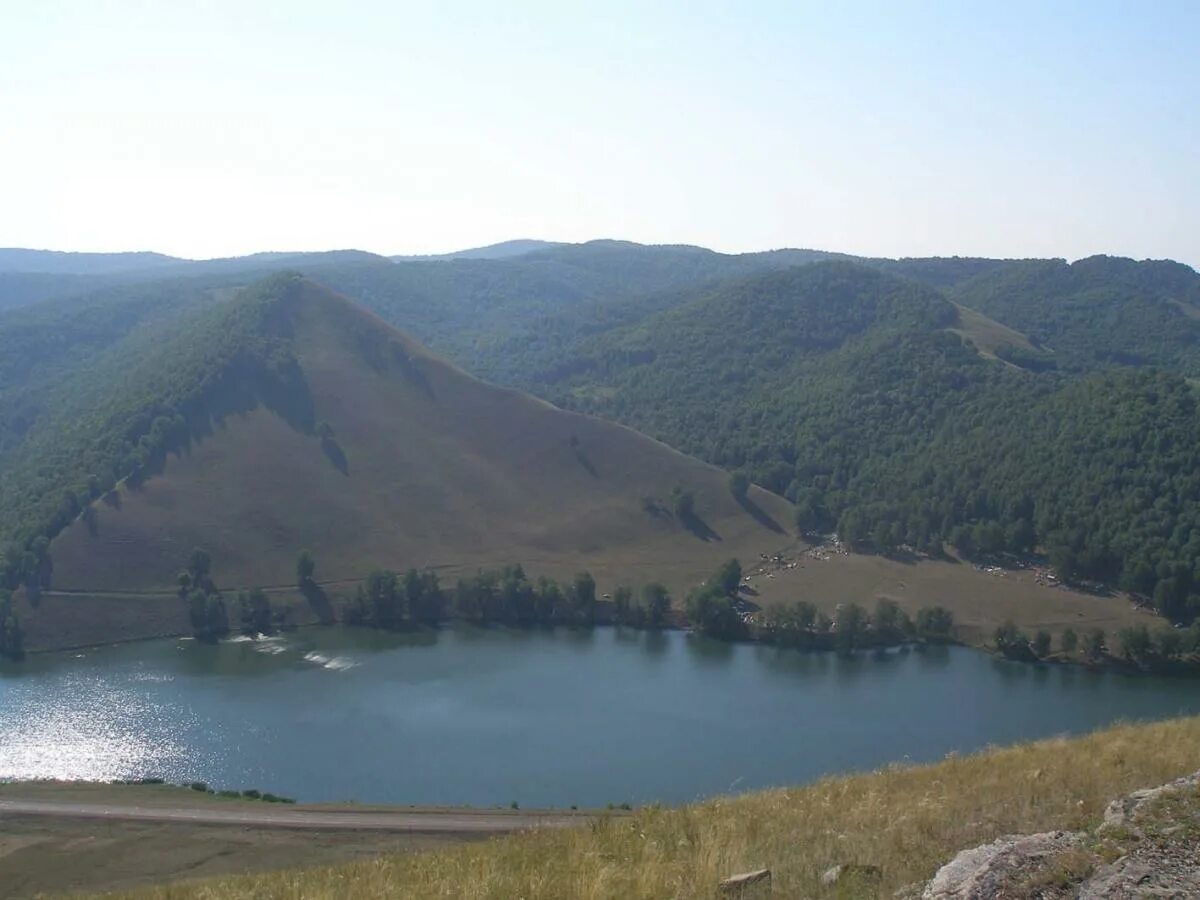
(908, 820)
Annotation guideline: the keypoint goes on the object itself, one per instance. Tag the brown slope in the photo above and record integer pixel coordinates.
(432, 468)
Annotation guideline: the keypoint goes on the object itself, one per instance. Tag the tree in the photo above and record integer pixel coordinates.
(739, 486)
(1011, 641)
(934, 623)
(1136, 643)
(383, 599)
(891, 623)
(728, 577)
(1169, 643)
(623, 611)
(583, 599)
(656, 602)
(1095, 644)
(712, 612)
(254, 612)
(1069, 641)
(306, 565)
(850, 624)
(1041, 644)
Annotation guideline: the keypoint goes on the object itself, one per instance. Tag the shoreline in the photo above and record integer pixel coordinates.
(1107, 664)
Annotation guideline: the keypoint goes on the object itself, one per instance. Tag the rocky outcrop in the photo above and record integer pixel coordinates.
(1148, 846)
(986, 871)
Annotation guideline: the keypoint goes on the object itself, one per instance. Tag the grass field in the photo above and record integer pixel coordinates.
(987, 334)
(979, 600)
(907, 820)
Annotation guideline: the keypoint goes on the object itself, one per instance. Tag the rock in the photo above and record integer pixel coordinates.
(747, 883)
(1130, 877)
(980, 873)
(1123, 809)
(1156, 843)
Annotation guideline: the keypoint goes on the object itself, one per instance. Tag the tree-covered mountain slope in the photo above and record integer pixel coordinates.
(288, 418)
(1097, 312)
(856, 395)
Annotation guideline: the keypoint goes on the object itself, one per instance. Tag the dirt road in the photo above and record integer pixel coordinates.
(270, 816)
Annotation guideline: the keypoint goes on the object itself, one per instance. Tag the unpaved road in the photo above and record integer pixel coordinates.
(424, 821)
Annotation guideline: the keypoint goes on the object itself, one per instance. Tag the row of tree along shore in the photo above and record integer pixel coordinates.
(508, 596)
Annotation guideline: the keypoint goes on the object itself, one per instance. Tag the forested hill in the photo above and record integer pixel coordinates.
(850, 392)
(1098, 311)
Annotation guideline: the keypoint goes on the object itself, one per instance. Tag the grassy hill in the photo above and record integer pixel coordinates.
(907, 820)
(289, 418)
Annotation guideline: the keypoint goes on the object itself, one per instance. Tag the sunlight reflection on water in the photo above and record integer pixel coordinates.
(87, 727)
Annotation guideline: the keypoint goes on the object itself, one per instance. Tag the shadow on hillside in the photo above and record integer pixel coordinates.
(316, 598)
(759, 514)
(583, 460)
(283, 390)
(333, 451)
(698, 527)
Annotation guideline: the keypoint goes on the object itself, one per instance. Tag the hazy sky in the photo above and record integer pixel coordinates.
(218, 128)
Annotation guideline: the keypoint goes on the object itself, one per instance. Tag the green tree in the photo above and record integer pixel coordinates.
(1010, 641)
(657, 603)
(1169, 643)
(728, 577)
(1069, 641)
(850, 623)
(934, 623)
(623, 612)
(583, 599)
(1041, 644)
(1095, 644)
(1136, 643)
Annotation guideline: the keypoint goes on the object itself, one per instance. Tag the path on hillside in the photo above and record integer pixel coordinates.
(430, 821)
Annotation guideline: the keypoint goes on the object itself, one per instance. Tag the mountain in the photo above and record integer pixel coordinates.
(901, 419)
(28, 287)
(1097, 312)
(55, 262)
(288, 418)
(502, 250)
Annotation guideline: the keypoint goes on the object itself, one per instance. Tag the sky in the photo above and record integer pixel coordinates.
(215, 128)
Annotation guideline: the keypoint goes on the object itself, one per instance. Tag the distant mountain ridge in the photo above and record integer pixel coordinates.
(58, 262)
(502, 250)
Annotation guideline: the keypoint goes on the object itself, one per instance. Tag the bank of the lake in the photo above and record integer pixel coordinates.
(470, 716)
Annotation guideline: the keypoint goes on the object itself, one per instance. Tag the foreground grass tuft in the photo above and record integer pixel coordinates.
(907, 820)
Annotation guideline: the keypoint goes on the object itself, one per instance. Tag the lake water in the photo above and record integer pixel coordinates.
(490, 716)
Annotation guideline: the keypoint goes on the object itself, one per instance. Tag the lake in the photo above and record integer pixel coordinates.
(545, 718)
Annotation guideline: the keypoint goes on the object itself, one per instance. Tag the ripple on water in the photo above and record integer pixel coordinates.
(333, 663)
